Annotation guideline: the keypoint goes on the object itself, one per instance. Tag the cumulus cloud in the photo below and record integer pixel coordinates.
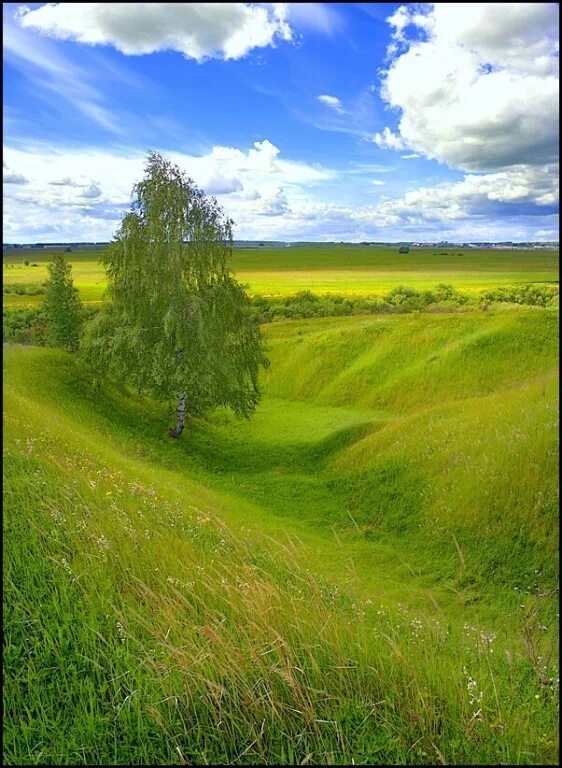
(220, 185)
(91, 192)
(333, 102)
(479, 90)
(329, 222)
(257, 180)
(277, 199)
(388, 140)
(199, 31)
(483, 194)
(276, 205)
(404, 17)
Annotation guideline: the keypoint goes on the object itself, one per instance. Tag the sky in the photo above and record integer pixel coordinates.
(307, 121)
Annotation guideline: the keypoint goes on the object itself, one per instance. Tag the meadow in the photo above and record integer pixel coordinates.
(345, 269)
(365, 572)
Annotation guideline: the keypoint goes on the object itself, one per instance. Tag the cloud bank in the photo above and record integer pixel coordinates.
(81, 194)
(199, 31)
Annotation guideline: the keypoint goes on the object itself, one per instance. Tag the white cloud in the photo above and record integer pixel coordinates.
(261, 167)
(480, 93)
(66, 182)
(333, 102)
(276, 205)
(411, 156)
(62, 189)
(362, 169)
(521, 36)
(91, 192)
(320, 17)
(481, 194)
(388, 140)
(220, 185)
(405, 16)
(276, 198)
(485, 207)
(199, 31)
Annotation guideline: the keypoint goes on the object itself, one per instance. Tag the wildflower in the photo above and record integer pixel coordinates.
(103, 543)
(474, 698)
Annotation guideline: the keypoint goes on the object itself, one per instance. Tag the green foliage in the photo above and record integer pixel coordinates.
(23, 289)
(401, 300)
(24, 326)
(27, 325)
(177, 320)
(534, 295)
(62, 308)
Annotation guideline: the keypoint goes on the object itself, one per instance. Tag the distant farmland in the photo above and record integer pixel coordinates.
(323, 269)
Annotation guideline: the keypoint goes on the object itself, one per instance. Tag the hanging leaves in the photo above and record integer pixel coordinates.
(176, 320)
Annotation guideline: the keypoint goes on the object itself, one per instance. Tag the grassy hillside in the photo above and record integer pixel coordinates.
(366, 570)
(345, 269)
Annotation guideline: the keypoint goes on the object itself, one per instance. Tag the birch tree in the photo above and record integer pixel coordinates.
(177, 325)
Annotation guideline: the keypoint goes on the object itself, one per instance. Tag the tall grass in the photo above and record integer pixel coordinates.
(140, 627)
(139, 631)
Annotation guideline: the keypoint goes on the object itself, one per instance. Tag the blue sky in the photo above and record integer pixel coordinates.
(308, 121)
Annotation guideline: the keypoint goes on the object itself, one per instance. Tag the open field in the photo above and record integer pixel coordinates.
(351, 270)
(367, 570)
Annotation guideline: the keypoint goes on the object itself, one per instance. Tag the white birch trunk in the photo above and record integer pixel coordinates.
(180, 416)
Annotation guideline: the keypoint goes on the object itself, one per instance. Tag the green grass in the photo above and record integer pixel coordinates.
(349, 576)
(344, 269)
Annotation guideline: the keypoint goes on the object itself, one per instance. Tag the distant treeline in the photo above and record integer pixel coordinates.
(28, 326)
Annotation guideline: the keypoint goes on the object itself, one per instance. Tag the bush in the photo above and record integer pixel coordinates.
(537, 295)
(402, 299)
(29, 326)
(24, 326)
(23, 289)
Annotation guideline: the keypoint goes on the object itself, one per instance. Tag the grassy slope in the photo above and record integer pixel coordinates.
(414, 458)
(324, 269)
